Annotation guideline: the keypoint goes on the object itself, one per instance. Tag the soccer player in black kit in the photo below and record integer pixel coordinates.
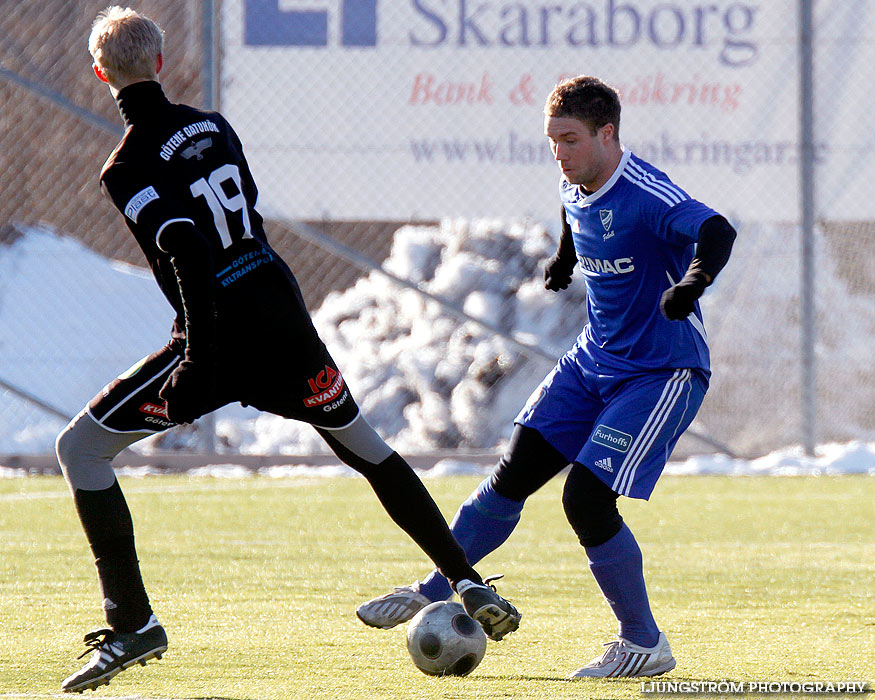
(241, 333)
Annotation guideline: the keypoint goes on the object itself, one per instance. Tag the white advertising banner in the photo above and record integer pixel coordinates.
(423, 109)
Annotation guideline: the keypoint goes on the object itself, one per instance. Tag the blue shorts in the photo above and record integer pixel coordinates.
(622, 426)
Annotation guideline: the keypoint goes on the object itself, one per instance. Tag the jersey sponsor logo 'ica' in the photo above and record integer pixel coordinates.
(326, 386)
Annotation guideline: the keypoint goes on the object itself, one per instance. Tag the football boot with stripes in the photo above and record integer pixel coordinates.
(113, 652)
(497, 616)
(392, 609)
(622, 659)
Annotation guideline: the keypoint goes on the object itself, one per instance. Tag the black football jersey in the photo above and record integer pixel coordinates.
(177, 163)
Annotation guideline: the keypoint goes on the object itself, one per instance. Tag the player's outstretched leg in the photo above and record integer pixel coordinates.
(481, 525)
(113, 652)
(412, 508)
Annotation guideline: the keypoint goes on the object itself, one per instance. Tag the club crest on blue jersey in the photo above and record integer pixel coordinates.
(607, 218)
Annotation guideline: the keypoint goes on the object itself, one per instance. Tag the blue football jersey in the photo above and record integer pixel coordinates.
(635, 238)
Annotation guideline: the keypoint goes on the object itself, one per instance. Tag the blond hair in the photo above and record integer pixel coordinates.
(125, 45)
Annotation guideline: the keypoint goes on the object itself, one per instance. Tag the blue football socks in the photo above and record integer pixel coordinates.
(481, 525)
(619, 572)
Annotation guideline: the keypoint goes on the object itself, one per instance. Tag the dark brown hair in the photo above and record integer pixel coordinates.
(587, 99)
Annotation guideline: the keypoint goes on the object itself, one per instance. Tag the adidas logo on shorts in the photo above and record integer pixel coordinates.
(605, 464)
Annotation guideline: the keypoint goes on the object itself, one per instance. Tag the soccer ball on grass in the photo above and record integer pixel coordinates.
(444, 641)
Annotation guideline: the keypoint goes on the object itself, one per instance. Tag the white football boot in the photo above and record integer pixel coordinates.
(622, 659)
(392, 609)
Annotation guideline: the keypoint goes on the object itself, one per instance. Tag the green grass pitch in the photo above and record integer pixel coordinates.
(256, 581)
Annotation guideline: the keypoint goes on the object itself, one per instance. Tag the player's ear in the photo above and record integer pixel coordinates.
(99, 73)
(159, 63)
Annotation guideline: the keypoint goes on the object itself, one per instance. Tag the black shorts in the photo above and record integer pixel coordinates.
(272, 360)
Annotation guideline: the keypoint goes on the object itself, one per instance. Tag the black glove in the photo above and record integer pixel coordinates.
(559, 268)
(716, 237)
(679, 301)
(189, 390)
(558, 271)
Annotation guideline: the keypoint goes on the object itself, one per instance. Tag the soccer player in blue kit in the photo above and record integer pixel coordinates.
(617, 402)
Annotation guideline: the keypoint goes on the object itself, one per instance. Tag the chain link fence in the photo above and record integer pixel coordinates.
(404, 176)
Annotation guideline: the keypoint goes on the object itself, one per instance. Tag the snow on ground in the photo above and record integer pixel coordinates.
(829, 460)
(70, 320)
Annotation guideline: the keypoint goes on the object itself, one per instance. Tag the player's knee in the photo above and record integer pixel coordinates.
(591, 507)
(64, 448)
(70, 448)
(85, 451)
(529, 462)
(358, 445)
(506, 479)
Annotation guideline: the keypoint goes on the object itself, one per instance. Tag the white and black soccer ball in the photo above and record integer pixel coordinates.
(444, 641)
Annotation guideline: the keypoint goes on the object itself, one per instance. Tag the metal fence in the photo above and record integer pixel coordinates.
(405, 179)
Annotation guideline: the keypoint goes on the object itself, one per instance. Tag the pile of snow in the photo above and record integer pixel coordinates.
(425, 379)
(828, 460)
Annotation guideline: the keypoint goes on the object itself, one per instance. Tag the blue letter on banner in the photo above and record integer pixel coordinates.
(266, 25)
